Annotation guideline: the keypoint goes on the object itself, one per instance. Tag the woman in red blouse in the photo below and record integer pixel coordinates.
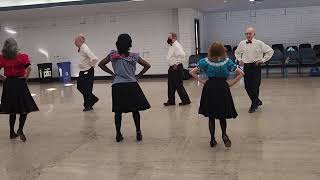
(16, 97)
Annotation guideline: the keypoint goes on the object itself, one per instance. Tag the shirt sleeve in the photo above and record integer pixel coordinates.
(202, 65)
(24, 59)
(231, 65)
(239, 51)
(268, 52)
(90, 54)
(136, 57)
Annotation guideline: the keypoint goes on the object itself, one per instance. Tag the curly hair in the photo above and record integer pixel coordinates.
(124, 43)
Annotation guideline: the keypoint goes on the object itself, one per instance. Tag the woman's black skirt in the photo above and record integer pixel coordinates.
(128, 97)
(216, 100)
(16, 97)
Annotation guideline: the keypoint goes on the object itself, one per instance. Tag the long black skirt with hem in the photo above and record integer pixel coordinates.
(16, 97)
(128, 97)
(216, 100)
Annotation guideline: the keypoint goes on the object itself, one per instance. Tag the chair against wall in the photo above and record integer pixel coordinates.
(203, 55)
(231, 56)
(308, 57)
(294, 47)
(193, 60)
(305, 45)
(234, 48)
(228, 47)
(277, 60)
(316, 49)
(279, 47)
(293, 59)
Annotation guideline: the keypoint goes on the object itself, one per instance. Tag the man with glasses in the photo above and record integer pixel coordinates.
(251, 53)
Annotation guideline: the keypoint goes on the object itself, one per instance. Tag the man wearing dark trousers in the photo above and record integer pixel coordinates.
(86, 74)
(176, 56)
(251, 53)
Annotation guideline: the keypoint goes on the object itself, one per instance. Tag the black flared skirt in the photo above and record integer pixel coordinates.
(216, 100)
(16, 97)
(128, 97)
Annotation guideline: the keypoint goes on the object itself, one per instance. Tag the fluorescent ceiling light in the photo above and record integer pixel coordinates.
(10, 31)
(12, 3)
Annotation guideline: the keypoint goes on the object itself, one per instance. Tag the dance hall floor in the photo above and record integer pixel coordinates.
(279, 142)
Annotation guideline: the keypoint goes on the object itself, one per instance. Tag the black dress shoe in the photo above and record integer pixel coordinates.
(260, 103)
(119, 138)
(13, 135)
(94, 102)
(22, 136)
(252, 109)
(184, 103)
(139, 136)
(87, 109)
(213, 143)
(169, 104)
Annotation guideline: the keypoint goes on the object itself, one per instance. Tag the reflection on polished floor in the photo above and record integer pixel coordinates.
(279, 142)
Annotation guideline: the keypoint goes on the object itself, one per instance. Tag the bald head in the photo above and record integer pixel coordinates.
(79, 40)
(250, 33)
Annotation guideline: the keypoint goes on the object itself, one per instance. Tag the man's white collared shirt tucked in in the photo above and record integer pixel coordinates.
(251, 52)
(88, 59)
(176, 54)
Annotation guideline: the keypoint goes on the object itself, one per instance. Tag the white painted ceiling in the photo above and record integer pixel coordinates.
(202, 5)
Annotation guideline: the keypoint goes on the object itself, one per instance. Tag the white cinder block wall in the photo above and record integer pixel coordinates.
(187, 30)
(291, 26)
(149, 30)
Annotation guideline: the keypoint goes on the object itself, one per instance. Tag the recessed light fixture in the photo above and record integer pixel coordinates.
(251, 0)
(225, 1)
(10, 31)
(33, 94)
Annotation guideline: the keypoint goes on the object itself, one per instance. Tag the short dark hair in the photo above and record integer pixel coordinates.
(10, 48)
(124, 43)
(217, 50)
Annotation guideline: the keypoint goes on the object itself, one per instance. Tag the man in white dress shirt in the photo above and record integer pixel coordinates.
(251, 53)
(86, 75)
(176, 57)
